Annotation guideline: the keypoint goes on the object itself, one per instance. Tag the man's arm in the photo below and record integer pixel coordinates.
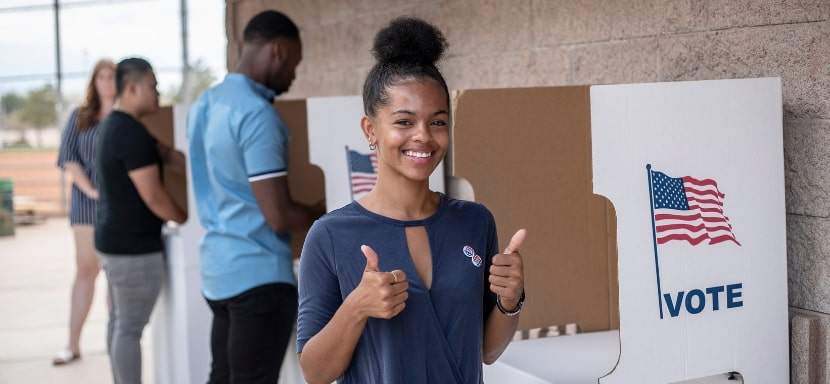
(281, 212)
(148, 183)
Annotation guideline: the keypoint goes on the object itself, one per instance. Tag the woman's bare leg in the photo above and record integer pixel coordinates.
(83, 289)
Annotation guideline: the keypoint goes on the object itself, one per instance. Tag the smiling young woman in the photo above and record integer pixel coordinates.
(406, 285)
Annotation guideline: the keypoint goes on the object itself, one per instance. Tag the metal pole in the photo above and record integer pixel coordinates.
(58, 69)
(185, 89)
(654, 233)
(58, 87)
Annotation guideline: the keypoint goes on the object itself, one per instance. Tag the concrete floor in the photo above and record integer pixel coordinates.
(36, 271)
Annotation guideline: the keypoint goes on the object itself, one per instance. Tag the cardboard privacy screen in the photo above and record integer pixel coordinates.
(655, 215)
(160, 125)
(701, 234)
(305, 181)
(527, 155)
(655, 209)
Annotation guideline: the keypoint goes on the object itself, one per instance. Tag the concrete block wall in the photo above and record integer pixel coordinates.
(495, 43)
(809, 341)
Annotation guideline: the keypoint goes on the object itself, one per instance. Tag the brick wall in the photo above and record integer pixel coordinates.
(517, 43)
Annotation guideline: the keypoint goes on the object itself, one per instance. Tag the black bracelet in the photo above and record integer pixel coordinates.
(515, 311)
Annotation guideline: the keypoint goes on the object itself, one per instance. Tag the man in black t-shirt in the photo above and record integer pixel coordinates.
(133, 204)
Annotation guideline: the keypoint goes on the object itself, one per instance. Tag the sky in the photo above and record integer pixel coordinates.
(113, 29)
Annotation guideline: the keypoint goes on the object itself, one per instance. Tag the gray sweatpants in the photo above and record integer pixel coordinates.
(134, 284)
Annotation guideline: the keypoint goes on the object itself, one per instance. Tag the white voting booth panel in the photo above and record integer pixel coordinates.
(334, 126)
(181, 319)
(723, 305)
(578, 359)
(689, 311)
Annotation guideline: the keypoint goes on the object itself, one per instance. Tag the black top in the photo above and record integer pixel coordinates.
(125, 225)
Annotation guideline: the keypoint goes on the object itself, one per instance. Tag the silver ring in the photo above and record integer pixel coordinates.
(394, 276)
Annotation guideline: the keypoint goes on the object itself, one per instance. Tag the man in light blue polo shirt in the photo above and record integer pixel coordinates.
(238, 156)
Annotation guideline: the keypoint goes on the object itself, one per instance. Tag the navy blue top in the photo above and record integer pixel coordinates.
(79, 146)
(439, 335)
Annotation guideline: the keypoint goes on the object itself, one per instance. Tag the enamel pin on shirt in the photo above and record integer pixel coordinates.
(471, 253)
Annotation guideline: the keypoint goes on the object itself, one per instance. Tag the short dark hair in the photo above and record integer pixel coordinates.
(407, 48)
(269, 25)
(130, 70)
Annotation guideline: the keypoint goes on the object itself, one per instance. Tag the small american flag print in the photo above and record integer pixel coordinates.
(689, 209)
(362, 172)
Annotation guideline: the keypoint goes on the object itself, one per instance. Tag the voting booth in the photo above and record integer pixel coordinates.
(656, 291)
(181, 320)
(703, 283)
(656, 250)
(656, 226)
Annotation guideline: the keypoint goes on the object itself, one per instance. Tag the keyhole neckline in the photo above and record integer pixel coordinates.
(442, 203)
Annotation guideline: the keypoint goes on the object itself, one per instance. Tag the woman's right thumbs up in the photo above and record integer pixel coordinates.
(380, 294)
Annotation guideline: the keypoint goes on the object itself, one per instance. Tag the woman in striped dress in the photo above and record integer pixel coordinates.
(77, 157)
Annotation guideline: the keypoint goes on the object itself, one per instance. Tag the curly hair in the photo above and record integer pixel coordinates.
(407, 48)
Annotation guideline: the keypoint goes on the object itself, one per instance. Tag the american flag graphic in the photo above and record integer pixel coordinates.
(362, 171)
(689, 209)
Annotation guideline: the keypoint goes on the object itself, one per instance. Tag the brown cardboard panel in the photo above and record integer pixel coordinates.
(527, 154)
(305, 181)
(160, 125)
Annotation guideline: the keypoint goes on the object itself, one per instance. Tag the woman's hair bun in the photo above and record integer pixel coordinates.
(409, 40)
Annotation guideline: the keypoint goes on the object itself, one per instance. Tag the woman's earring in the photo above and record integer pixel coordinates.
(373, 146)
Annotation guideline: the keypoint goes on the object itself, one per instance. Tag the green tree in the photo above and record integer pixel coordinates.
(11, 102)
(38, 111)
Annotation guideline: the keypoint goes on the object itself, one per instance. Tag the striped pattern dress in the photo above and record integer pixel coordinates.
(79, 146)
